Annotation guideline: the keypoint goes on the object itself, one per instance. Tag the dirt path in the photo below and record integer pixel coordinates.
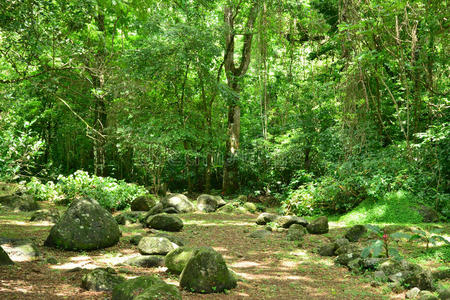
(273, 268)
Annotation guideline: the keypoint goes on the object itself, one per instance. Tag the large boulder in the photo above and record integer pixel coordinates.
(146, 261)
(207, 203)
(146, 288)
(177, 259)
(207, 272)
(287, 221)
(179, 202)
(4, 258)
(318, 226)
(46, 215)
(165, 222)
(101, 280)
(355, 233)
(151, 245)
(143, 203)
(84, 226)
(19, 202)
(265, 218)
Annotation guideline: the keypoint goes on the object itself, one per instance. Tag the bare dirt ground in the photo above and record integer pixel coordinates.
(271, 268)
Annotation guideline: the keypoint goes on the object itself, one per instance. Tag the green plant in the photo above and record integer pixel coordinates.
(428, 237)
(383, 243)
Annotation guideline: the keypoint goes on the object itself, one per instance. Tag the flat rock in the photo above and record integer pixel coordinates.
(155, 245)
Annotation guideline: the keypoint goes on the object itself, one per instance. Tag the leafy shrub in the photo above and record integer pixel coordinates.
(109, 192)
(383, 245)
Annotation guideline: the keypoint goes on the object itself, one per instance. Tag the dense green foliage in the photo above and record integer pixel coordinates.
(344, 104)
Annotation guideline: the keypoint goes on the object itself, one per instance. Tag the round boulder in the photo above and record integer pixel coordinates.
(178, 201)
(207, 272)
(318, 226)
(165, 222)
(143, 203)
(146, 287)
(207, 203)
(84, 226)
(265, 218)
(101, 280)
(151, 245)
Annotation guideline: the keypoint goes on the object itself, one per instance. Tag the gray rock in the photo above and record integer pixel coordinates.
(84, 226)
(327, 249)
(48, 215)
(101, 280)
(412, 293)
(207, 272)
(287, 221)
(155, 245)
(207, 203)
(143, 203)
(355, 233)
(165, 222)
(4, 258)
(407, 273)
(260, 234)
(179, 202)
(146, 261)
(296, 232)
(318, 226)
(380, 276)
(349, 248)
(176, 260)
(265, 218)
(146, 288)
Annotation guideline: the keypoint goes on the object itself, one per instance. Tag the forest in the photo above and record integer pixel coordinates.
(286, 149)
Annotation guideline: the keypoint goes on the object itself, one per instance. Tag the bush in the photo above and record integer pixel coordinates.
(111, 193)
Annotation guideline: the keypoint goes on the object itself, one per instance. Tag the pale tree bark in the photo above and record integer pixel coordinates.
(230, 182)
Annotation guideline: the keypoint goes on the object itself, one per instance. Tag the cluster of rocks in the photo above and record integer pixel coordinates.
(398, 273)
(296, 226)
(201, 270)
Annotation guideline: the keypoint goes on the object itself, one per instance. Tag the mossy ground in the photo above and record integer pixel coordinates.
(271, 268)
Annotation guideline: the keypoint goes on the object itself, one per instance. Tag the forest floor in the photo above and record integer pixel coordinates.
(270, 268)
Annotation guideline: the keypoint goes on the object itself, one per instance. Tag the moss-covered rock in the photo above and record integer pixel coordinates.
(84, 226)
(165, 222)
(135, 239)
(250, 207)
(177, 259)
(265, 218)
(296, 232)
(143, 203)
(318, 226)
(20, 249)
(4, 258)
(101, 280)
(179, 202)
(150, 245)
(146, 288)
(260, 234)
(206, 272)
(287, 221)
(232, 208)
(174, 239)
(19, 202)
(207, 203)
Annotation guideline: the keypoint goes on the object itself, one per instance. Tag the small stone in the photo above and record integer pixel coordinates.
(412, 293)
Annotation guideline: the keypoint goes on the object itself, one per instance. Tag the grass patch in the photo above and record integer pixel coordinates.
(394, 208)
